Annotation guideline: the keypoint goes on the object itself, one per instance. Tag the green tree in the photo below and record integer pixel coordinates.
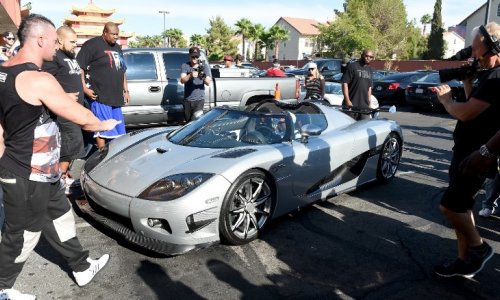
(219, 40)
(175, 38)
(198, 40)
(435, 44)
(256, 35)
(416, 42)
(425, 19)
(275, 35)
(243, 27)
(379, 25)
(146, 42)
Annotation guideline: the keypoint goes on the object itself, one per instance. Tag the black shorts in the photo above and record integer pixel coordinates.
(459, 196)
(71, 141)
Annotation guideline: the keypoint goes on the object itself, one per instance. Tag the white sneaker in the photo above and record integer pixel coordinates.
(84, 277)
(12, 294)
(486, 212)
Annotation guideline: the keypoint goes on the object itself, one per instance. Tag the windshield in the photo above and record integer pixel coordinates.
(333, 88)
(226, 128)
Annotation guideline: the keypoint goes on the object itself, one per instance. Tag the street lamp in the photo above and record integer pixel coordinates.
(164, 12)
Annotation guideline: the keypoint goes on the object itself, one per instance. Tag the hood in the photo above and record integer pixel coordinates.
(131, 169)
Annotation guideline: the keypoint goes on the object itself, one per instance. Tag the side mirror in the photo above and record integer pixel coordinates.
(309, 130)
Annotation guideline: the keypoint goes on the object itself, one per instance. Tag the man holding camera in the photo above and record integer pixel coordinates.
(194, 76)
(478, 121)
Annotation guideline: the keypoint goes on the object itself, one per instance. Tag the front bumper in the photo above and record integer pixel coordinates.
(187, 223)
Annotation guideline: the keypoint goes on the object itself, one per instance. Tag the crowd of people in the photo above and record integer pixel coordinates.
(49, 93)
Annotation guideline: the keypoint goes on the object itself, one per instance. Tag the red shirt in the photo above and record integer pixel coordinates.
(275, 72)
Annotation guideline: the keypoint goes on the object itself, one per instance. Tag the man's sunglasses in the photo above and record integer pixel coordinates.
(369, 56)
(11, 39)
(194, 56)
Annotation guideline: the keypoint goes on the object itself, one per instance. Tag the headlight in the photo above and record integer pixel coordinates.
(175, 186)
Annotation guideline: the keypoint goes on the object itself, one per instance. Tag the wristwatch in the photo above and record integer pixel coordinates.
(485, 152)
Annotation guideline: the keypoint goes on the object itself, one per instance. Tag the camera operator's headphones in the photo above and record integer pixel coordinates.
(490, 40)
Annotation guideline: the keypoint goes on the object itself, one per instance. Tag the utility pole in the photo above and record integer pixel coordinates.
(164, 12)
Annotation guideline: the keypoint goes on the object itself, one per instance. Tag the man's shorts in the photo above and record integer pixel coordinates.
(459, 197)
(71, 141)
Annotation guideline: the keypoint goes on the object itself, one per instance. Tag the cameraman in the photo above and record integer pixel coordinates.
(478, 122)
(194, 76)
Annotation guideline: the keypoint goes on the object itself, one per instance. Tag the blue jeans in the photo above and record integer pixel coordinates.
(492, 191)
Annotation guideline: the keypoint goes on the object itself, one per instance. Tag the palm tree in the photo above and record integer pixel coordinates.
(276, 35)
(174, 36)
(198, 40)
(255, 35)
(426, 19)
(243, 27)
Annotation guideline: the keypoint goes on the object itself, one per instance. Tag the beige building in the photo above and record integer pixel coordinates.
(453, 42)
(479, 17)
(302, 38)
(88, 22)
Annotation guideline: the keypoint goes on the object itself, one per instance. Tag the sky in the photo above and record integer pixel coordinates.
(192, 17)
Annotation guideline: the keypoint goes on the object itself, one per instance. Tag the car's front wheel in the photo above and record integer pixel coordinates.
(390, 155)
(247, 207)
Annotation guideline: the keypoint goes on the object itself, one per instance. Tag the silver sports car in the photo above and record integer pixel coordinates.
(228, 174)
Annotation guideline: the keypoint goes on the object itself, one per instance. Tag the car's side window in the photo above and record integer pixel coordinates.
(140, 66)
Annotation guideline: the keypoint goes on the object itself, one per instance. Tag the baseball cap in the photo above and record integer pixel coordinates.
(194, 51)
(228, 58)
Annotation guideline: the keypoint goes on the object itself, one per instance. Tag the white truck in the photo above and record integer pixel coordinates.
(153, 77)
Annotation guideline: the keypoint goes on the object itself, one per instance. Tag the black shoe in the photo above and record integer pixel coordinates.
(458, 268)
(478, 257)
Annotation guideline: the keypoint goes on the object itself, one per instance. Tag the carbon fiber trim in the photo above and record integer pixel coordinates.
(129, 235)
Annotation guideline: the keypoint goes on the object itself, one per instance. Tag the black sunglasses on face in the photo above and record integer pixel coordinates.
(195, 57)
(11, 39)
(310, 69)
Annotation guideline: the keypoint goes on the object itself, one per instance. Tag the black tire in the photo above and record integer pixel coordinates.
(390, 155)
(247, 208)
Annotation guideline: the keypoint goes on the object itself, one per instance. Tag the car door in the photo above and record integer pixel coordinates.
(145, 83)
(315, 160)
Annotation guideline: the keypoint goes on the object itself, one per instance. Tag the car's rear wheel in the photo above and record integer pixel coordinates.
(390, 156)
(247, 208)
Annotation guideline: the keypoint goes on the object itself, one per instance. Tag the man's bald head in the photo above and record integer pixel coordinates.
(67, 40)
(110, 33)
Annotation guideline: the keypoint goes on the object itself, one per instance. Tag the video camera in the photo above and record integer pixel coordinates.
(200, 69)
(463, 72)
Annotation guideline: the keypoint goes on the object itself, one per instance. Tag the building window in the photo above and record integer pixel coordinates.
(498, 11)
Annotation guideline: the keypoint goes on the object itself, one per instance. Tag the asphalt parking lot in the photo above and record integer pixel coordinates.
(380, 242)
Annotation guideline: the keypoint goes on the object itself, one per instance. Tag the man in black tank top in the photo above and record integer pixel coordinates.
(34, 200)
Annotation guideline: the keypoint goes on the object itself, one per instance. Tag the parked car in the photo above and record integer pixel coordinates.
(326, 66)
(334, 95)
(418, 93)
(391, 89)
(156, 92)
(377, 75)
(226, 175)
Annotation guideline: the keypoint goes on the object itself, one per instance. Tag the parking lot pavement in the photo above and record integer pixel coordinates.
(379, 242)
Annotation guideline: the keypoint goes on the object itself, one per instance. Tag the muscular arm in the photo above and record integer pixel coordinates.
(39, 88)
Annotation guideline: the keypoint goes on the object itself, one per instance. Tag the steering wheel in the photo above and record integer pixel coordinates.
(254, 137)
(266, 131)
